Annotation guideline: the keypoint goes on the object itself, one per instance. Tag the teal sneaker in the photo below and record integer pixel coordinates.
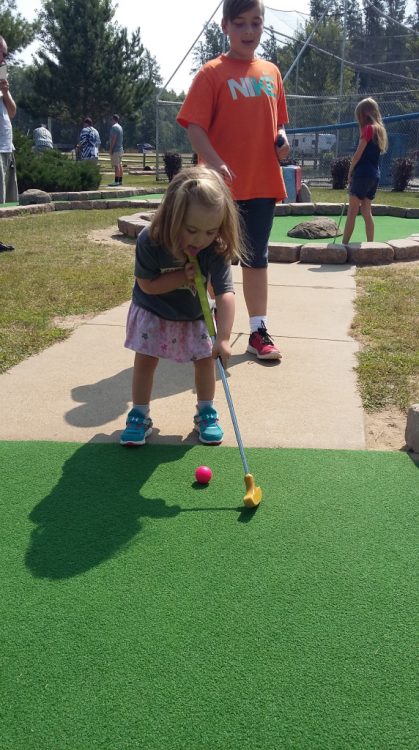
(138, 428)
(206, 423)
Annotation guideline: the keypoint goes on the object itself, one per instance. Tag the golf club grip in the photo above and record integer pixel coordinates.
(202, 294)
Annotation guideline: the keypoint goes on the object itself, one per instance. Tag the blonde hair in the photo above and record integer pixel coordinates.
(206, 187)
(367, 112)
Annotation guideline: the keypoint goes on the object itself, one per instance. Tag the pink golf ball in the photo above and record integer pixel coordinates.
(203, 474)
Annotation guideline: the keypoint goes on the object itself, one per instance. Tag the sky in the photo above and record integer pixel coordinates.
(169, 28)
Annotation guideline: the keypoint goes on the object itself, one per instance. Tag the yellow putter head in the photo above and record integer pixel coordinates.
(253, 494)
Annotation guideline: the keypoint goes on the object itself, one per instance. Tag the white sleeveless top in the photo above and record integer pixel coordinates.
(6, 137)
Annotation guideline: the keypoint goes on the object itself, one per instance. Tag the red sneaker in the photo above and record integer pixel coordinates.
(261, 344)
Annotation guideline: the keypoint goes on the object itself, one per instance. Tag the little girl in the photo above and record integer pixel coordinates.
(196, 217)
(364, 170)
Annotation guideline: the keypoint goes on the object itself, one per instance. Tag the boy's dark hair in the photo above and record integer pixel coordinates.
(234, 8)
(88, 121)
(115, 117)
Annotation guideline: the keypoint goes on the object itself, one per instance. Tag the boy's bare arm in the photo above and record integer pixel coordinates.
(7, 98)
(201, 145)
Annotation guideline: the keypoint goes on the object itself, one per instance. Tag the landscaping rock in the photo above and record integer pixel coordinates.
(283, 252)
(315, 229)
(301, 209)
(304, 195)
(412, 429)
(328, 209)
(332, 253)
(282, 209)
(34, 196)
(370, 253)
(12, 211)
(131, 226)
(407, 249)
(379, 209)
(412, 213)
(62, 205)
(397, 211)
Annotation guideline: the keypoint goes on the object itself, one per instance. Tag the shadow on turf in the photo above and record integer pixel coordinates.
(97, 507)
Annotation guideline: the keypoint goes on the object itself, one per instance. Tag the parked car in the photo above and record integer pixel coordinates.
(143, 147)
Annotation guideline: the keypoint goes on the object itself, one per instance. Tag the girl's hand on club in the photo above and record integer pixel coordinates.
(222, 349)
(189, 271)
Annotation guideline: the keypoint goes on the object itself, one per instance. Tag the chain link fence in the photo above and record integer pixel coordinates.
(320, 130)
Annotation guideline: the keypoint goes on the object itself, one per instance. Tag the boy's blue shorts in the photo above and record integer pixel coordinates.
(363, 187)
(257, 215)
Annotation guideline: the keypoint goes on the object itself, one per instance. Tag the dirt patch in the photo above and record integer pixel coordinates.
(69, 322)
(110, 236)
(384, 430)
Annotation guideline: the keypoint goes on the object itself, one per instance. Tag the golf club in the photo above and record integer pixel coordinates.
(338, 226)
(253, 494)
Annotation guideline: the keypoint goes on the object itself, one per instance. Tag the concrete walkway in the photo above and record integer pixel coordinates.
(79, 389)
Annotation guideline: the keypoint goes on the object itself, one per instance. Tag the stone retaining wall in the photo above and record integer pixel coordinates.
(357, 253)
(361, 253)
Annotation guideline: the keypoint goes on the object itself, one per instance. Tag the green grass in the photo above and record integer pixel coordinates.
(140, 612)
(56, 271)
(387, 324)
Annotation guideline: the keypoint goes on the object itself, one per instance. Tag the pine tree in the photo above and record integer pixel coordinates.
(17, 32)
(87, 64)
(214, 44)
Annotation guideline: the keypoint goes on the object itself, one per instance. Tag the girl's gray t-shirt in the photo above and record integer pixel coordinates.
(151, 260)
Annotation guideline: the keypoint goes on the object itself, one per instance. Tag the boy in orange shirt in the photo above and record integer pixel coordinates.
(234, 112)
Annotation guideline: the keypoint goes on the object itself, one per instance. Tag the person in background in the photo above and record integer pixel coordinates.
(364, 170)
(42, 138)
(8, 181)
(89, 141)
(235, 112)
(116, 149)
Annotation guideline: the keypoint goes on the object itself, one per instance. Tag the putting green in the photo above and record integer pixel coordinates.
(141, 611)
(386, 228)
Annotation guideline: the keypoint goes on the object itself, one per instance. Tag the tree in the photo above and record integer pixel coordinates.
(17, 32)
(214, 44)
(270, 46)
(87, 63)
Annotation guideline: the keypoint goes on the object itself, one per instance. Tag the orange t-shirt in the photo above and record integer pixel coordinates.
(240, 104)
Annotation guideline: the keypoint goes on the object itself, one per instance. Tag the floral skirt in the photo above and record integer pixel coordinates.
(179, 340)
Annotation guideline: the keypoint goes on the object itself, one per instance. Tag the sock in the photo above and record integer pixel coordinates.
(143, 408)
(257, 321)
(203, 405)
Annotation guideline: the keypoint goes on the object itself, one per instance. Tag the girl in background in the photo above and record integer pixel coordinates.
(364, 170)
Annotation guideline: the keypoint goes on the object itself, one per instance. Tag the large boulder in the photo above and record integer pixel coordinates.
(32, 196)
(315, 229)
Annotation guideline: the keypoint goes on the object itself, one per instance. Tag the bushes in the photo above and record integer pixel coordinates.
(325, 161)
(50, 170)
(401, 173)
(172, 164)
(339, 171)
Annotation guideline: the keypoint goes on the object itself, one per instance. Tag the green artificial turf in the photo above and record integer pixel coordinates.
(386, 228)
(139, 610)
